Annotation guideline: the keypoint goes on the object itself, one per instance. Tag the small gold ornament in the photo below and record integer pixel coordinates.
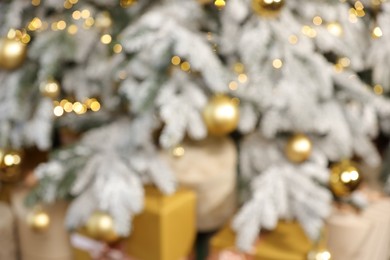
(127, 3)
(319, 255)
(12, 53)
(268, 8)
(10, 161)
(221, 115)
(100, 226)
(298, 148)
(344, 178)
(50, 88)
(38, 220)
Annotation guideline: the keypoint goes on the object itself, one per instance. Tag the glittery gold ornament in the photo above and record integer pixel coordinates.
(268, 8)
(38, 220)
(50, 88)
(221, 115)
(12, 53)
(127, 3)
(100, 226)
(298, 148)
(10, 161)
(319, 255)
(344, 178)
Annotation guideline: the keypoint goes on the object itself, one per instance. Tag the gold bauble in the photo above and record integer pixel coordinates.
(10, 161)
(12, 53)
(319, 255)
(344, 178)
(268, 8)
(298, 148)
(100, 226)
(221, 115)
(127, 3)
(38, 220)
(50, 88)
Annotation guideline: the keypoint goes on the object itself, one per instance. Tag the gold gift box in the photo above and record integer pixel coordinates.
(165, 230)
(288, 242)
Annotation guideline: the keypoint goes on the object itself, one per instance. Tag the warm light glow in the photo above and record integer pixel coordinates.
(309, 31)
(377, 32)
(178, 151)
(293, 39)
(35, 24)
(76, 15)
(58, 111)
(35, 2)
(277, 63)
(85, 13)
(344, 62)
(95, 106)
(220, 4)
(89, 22)
(68, 107)
(239, 67)
(117, 48)
(176, 60)
(335, 29)
(378, 89)
(42, 219)
(233, 85)
(185, 66)
(317, 20)
(9, 160)
(73, 29)
(106, 39)
(61, 25)
(242, 78)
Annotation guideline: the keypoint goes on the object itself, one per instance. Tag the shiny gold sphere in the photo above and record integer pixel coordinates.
(127, 3)
(298, 148)
(100, 226)
(50, 88)
(344, 178)
(10, 161)
(12, 53)
(268, 8)
(221, 115)
(38, 220)
(319, 255)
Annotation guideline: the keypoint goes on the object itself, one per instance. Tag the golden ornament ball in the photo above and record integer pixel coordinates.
(50, 88)
(12, 53)
(298, 148)
(344, 178)
(38, 220)
(100, 226)
(10, 161)
(221, 115)
(319, 255)
(268, 8)
(127, 3)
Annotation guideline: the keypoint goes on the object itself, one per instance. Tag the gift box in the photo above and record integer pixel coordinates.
(51, 244)
(8, 243)
(165, 230)
(288, 242)
(209, 168)
(360, 236)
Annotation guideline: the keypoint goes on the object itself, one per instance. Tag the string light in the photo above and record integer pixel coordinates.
(35, 2)
(117, 48)
(185, 66)
(309, 31)
(293, 39)
(73, 29)
(239, 67)
(242, 78)
(85, 13)
(335, 29)
(76, 15)
(233, 85)
(35, 24)
(378, 89)
(176, 60)
(220, 4)
(277, 63)
(317, 20)
(77, 107)
(377, 32)
(106, 39)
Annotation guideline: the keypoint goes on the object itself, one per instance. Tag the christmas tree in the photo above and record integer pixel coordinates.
(299, 85)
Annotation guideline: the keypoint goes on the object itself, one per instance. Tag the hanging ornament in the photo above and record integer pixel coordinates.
(100, 226)
(10, 161)
(127, 3)
(221, 115)
(50, 88)
(344, 178)
(268, 8)
(319, 255)
(298, 148)
(38, 220)
(12, 53)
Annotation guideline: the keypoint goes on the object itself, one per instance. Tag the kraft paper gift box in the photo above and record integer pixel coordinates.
(165, 230)
(287, 242)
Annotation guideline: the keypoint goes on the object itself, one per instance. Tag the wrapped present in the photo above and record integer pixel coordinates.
(360, 236)
(165, 230)
(8, 243)
(209, 168)
(288, 242)
(51, 244)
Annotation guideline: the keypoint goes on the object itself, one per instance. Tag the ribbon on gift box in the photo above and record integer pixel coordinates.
(96, 249)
